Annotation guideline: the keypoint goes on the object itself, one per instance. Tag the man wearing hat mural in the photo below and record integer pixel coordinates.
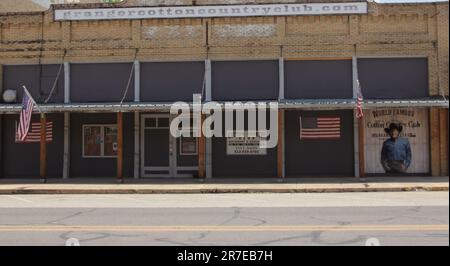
(396, 153)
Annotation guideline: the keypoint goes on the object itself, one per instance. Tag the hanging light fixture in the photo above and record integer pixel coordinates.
(10, 96)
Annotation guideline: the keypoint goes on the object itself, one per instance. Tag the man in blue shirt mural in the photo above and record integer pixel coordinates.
(396, 154)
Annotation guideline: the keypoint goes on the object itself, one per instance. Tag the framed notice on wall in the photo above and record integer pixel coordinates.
(245, 146)
(188, 146)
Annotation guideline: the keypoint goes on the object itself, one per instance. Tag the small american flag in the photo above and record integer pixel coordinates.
(359, 102)
(34, 136)
(320, 128)
(25, 115)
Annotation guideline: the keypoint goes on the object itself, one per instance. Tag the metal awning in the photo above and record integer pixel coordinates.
(304, 104)
(368, 104)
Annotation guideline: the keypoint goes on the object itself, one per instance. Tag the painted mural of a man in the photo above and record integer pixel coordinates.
(396, 153)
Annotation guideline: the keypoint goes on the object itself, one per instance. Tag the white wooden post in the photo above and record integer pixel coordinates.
(137, 81)
(66, 82)
(66, 160)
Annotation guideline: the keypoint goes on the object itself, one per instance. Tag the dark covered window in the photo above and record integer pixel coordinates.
(318, 79)
(393, 78)
(101, 82)
(38, 79)
(245, 80)
(174, 81)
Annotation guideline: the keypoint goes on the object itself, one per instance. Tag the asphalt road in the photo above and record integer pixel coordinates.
(409, 218)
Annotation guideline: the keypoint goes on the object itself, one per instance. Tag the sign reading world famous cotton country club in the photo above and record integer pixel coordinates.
(415, 125)
(212, 11)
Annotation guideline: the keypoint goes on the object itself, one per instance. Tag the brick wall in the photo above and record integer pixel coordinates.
(19, 6)
(388, 30)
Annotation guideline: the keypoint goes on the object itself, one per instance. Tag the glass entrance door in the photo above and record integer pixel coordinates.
(164, 156)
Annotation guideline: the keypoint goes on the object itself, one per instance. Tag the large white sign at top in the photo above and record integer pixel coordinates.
(211, 11)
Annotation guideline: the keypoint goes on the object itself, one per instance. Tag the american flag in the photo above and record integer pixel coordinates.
(34, 136)
(359, 102)
(320, 128)
(25, 115)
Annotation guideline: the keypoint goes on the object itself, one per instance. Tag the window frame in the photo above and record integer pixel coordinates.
(157, 118)
(102, 144)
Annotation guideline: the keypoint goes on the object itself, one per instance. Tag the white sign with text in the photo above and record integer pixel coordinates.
(245, 145)
(212, 11)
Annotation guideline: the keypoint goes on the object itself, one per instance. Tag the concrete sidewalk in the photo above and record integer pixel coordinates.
(229, 185)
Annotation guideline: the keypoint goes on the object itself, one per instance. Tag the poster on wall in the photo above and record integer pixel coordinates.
(413, 127)
(245, 146)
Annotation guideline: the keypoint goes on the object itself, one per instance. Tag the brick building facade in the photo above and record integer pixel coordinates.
(399, 52)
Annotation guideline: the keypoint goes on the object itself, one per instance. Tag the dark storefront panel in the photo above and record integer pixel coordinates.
(22, 160)
(225, 165)
(245, 80)
(168, 82)
(185, 160)
(39, 81)
(99, 167)
(319, 157)
(100, 82)
(318, 79)
(393, 78)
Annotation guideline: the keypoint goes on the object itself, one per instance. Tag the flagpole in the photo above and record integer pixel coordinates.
(43, 140)
(29, 95)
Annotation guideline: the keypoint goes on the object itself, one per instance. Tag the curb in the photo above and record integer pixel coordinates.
(32, 191)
